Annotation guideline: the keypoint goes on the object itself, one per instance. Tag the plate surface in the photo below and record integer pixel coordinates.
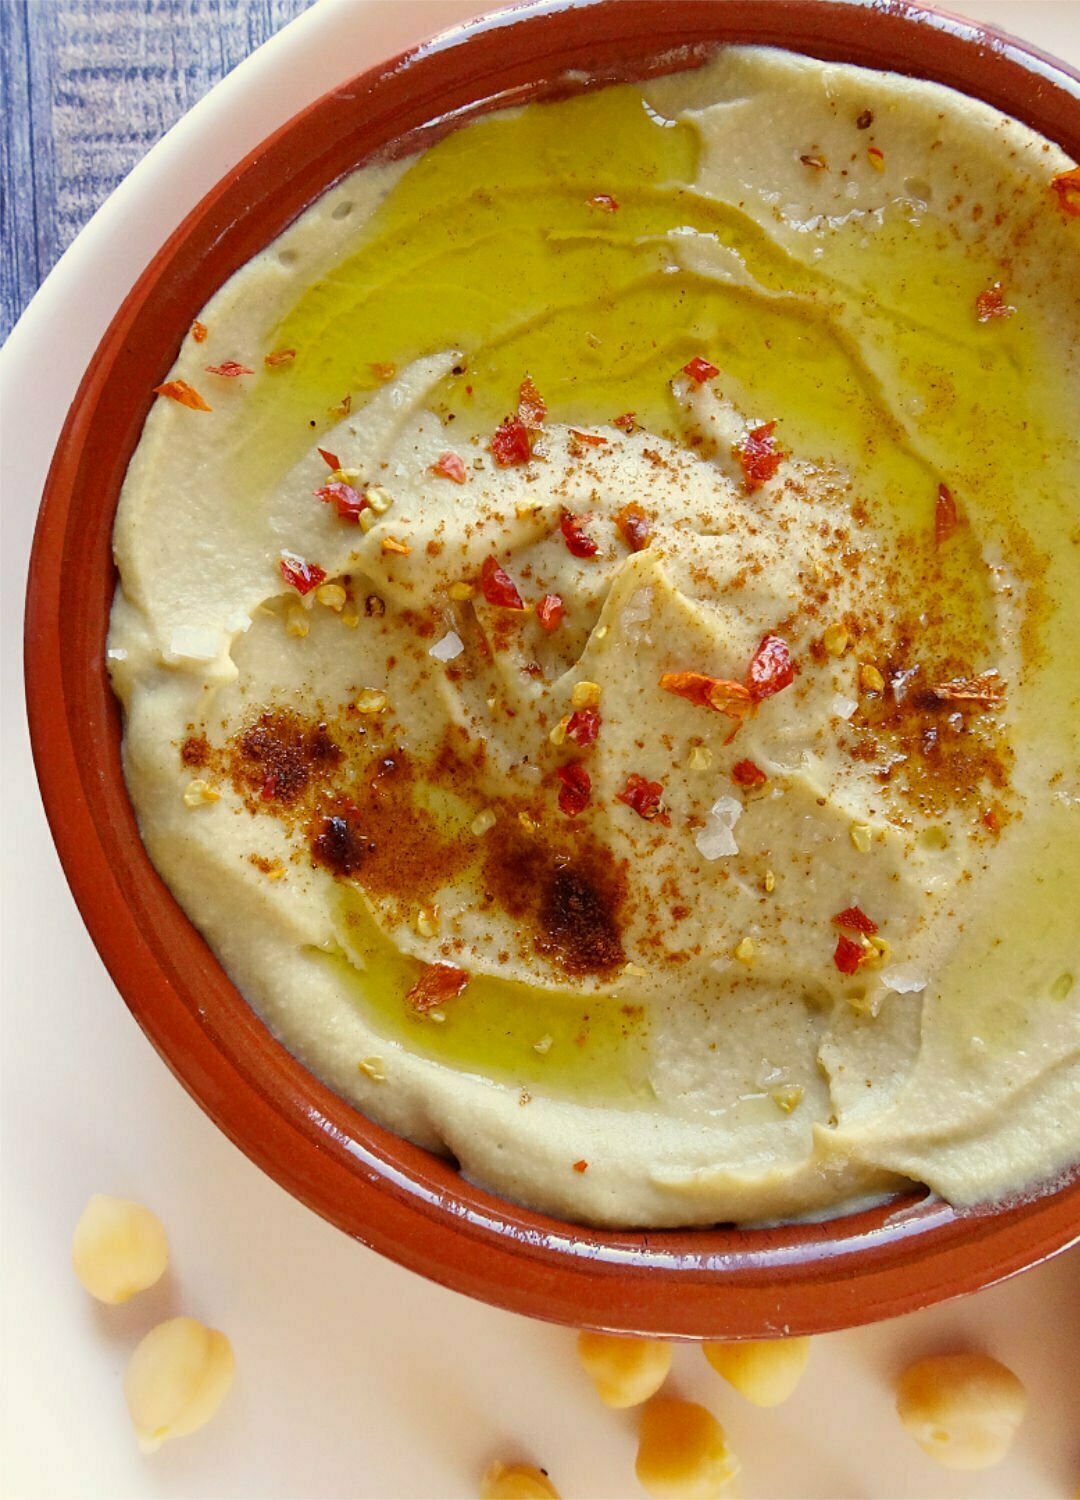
(366, 1352)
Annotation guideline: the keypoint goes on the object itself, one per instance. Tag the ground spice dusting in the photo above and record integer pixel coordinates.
(933, 753)
(568, 897)
(286, 752)
(362, 818)
(929, 755)
(407, 856)
(195, 751)
(578, 930)
(339, 845)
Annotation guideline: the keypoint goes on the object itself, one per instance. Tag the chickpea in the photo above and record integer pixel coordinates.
(176, 1379)
(765, 1371)
(119, 1248)
(625, 1371)
(962, 1409)
(682, 1452)
(516, 1482)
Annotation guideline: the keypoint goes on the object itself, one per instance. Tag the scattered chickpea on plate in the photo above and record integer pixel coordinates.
(181, 1371)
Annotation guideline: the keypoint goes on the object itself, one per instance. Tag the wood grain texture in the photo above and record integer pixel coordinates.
(87, 87)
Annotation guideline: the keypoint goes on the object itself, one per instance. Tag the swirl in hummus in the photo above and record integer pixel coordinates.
(597, 632)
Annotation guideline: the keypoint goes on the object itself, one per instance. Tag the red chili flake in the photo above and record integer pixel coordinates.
(498, 587)
(578, 541)
(437, 983)
(1067, 187)
(331, 460)
(987, 690)
(605, 201)
(856, 920)
(576, 789)
(700, 370)
(280, 357)
(759, 456)
(645, 798)
(992, 304)
(847, 955)
(696, 687)
(590, 439)
(348, 503)
(946, 515)
(269, 787)
(746, 773)
(186, 395)
(581, 1166)
(531, 406)
(550, 611)
(771, 668)
(510, 446)
(724, 697)
(449, 466)
(383, 370)
(199, 332)
(302, 576)
(627, 422)
(877, 157)
(583, 726)
(634, 526)
(230, 368)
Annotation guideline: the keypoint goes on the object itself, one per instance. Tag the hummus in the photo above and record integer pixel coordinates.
(601, 672)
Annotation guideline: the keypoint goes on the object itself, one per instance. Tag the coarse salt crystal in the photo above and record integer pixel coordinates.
(842, 707)
(238, 622)
(638, 610)
(450, 646)
(716, 839)
(904, 979)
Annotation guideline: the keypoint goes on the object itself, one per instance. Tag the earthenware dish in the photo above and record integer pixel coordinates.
(400, 1200)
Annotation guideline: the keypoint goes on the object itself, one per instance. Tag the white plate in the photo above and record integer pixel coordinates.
(356, 1379)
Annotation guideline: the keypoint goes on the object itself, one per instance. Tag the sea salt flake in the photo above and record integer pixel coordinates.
(238, 622)
(842, 707)
(904, 979)
(450, 646)
(716, 839)
(637, 612)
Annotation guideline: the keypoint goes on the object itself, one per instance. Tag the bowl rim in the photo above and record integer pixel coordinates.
(395, 1197)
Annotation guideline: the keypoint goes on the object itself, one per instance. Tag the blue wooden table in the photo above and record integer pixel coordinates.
(86, 88)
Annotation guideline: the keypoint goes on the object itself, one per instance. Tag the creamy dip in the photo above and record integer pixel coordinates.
(596, 631)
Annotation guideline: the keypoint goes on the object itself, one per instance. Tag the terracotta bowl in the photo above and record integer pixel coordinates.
(394, 1197)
